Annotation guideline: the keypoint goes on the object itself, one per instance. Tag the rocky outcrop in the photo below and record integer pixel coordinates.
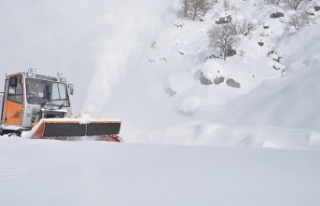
(276, 15)
(232, 83)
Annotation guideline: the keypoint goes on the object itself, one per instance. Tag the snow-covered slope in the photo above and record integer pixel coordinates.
(163, 101)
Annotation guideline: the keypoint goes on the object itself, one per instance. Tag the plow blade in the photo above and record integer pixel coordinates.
(74, 129)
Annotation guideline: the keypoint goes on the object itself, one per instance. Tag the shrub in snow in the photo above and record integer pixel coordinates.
(300, 19)
(295, 4)
(244, 28)
(276, 15)
(232, 83)
(317, 8)
(195, 8)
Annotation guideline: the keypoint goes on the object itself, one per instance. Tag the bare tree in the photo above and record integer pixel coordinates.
(300, 19)
(295, 4)
(224, 37)
(244, 27)
(226, 5)
(195, 8)
(200, 7)
(185, 7)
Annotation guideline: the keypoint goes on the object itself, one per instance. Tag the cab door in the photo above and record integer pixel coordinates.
(14, 101)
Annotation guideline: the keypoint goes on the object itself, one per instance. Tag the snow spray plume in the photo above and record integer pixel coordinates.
(130, 25)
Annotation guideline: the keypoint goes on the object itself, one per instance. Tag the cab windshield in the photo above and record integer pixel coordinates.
(46, 92)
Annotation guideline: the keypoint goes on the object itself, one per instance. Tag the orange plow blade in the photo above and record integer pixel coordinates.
(77, 129)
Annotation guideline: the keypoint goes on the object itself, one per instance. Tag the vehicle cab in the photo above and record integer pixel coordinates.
(29, 97)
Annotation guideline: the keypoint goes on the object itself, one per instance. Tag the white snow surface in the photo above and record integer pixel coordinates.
(185, 143)
(37, 172)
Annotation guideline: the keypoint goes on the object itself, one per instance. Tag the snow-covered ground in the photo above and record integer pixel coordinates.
(186, 143)
(35, 172)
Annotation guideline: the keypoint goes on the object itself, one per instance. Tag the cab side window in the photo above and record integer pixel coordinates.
(15, 91)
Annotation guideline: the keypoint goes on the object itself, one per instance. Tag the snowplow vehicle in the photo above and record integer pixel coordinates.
(39, 107)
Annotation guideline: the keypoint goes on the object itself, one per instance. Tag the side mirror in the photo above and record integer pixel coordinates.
(71, 88)
(13, 82)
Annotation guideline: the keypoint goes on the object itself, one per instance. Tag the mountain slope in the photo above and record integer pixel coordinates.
(163, 100)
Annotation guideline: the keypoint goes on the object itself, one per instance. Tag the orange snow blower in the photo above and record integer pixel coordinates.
(41, 106)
